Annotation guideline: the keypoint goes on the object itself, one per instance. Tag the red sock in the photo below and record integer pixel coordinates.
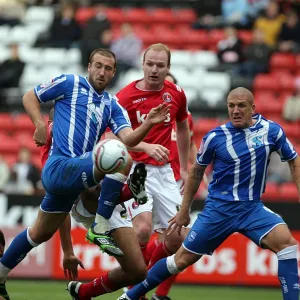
(151, 246)
(99, 286)
(160, 252)
(125, 194)
(164, 288)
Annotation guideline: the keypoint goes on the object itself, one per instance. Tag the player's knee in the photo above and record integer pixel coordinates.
(143, 232)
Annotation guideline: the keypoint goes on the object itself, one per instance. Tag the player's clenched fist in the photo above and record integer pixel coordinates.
(40, 135)
(158, 114)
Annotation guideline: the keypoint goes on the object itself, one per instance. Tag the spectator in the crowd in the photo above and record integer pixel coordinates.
(291, 108)
(11, 12)
(64, 31)
(234, 13)
(230, 49)
(255, 9)
(278, 171)
(25, 175)
(289, 37)
(95, 34)
(11, 69)
(271, 23)
(4, 173)
(127, 48)
(256, 56)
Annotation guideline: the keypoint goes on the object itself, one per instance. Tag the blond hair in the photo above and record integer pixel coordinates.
(159, 47)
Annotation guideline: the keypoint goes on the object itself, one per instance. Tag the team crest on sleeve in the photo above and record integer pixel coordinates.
(47, 84)
(167, 97)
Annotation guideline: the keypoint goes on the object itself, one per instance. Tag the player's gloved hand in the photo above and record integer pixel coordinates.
(70, 265)
(40, 135)
(158, 114)
(158, 152)
(182, 218)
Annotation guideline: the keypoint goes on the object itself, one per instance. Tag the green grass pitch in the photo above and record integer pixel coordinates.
(55, 290)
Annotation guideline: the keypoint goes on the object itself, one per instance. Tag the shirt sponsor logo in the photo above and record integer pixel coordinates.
(139, 100)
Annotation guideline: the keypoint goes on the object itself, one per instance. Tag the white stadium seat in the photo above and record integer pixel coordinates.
(31, 77)
(205, 59)
(191, 94)
(30, 55)
(129, 76)
(217, 80)
(212, 96)
(22, 35)
(73, 56)
(4, 30)
(181, 58)
(53, 56)
(39, 14)
(4, 53)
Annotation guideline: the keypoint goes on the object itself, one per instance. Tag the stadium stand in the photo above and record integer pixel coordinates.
(194, 63)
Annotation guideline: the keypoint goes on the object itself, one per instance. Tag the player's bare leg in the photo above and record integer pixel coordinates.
(132, 271)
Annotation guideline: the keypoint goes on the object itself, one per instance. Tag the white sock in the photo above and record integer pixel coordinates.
(102, 224)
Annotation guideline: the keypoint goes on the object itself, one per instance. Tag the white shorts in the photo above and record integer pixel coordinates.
(164, 198)
(118, 219)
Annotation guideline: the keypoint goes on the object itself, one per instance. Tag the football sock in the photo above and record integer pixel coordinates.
(110, 193)
(163, 269)
(16, 252)
(99, 286)
(126, 194)
(160, 252)
(153, 243)
(164, 288)
(288, 273)
(144, 252)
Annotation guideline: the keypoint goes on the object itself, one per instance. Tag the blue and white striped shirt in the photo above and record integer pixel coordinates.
(81, 115)
(241, 157)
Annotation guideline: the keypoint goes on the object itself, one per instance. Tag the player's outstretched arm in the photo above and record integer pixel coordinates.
(33, 109)
(191, 187)
(133, 137)
(294, 165)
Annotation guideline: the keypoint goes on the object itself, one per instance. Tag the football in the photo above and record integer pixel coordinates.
(110, 156)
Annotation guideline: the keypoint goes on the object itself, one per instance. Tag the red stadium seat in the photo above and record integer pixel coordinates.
(265, 82)
(162, 15)
(10, 158)
(36, 160)
(287, 84)
(288, 192)
(291, 129)
(115, 15)
(6, 122)
(23, 122)
(271, 192)
(8, 145)
(245, 36)
(202, 125)
(216, 35)
(197, 37)
(83, 14)
(187, 16)
(282, 62)
(137, 15)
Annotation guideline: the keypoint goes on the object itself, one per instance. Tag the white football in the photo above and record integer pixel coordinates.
(110, 156)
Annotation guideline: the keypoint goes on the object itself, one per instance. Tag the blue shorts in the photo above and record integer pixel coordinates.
(64, 178)
(219, 219)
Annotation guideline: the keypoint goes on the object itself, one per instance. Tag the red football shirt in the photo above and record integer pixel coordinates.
(44, 150)
(139, 102)
(175, 163)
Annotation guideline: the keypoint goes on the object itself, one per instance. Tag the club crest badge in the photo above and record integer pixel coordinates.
(167, 97)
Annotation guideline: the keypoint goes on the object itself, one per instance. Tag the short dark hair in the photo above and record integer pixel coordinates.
(104, 52)
(171, 75)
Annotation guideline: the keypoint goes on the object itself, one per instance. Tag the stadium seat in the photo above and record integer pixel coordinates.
(4, 33)
(282, 62)
(31, 56)
(187, 16)
(8, 145)
(23, 122)
(10, 158)
(205, 59)
(163, 15)
(6, 123)
(271, 192)
(53, 56)
(265, 82)
(30, 78)
(212, 97)
(217, 80)
(181, 59)
(22, 35)
(83, 14)
(39, 14)
(129, 76)
(72, 56)
(196, 37)
(287, 84)
(191, 94)
(203, 125)
(216, 35)
(245, 36)
(288, 192)
(137, 15)
(115, 15)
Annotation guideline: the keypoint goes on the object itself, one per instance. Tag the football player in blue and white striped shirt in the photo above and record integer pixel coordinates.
(83, 111)
(240, 151)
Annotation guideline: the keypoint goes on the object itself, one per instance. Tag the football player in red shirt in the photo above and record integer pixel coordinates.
(164, 198)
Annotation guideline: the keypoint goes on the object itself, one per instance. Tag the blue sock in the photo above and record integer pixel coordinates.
(289, 279)
(111, 188)
(17, 250)
(156, 275)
